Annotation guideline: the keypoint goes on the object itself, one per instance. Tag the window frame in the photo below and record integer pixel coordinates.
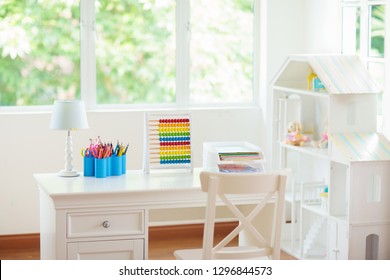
(364, 6)
(182, 80)
(365, 42)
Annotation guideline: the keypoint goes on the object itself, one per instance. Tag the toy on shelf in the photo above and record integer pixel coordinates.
(168, 141)
(294, 135)
(324, 199)
(323, 142)
(310, 78)
(314, 83)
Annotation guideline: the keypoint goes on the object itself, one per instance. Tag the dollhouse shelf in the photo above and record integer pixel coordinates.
(349, 205)
(307, 149)
(301, 91)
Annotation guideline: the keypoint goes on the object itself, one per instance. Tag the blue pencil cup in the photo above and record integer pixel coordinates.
(100, 167)
(108, 164)
(89, 166)
(123, 164)
(116, 165)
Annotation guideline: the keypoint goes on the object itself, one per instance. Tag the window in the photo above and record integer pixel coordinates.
(364, 34)
(135, 51)
(39, 52)
(221, 50)
(131, 52)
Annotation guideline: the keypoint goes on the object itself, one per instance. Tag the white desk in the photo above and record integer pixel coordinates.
(90, 218)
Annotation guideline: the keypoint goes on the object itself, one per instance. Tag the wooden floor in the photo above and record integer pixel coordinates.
(162, 243)
(163, 249)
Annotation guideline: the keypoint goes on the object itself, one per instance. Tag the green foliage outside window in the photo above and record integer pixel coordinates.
(377, 31)
(135, 51)
(39, 51)
(222, 33)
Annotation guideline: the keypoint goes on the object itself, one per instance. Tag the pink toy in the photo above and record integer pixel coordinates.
(294, 135)
(323, 143)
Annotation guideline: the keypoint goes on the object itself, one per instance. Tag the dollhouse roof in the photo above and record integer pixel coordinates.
(340, 74)
(358, 146)
(343, 74)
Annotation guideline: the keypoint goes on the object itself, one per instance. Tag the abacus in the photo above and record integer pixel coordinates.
(168, 141)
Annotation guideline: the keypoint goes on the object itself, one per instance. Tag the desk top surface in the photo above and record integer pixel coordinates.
(132, 181)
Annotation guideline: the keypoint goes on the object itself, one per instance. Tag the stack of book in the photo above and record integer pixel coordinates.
(240, 156)
(232, 156)
(242, 161)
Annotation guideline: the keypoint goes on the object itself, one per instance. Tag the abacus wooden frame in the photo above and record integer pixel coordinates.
(153, 144)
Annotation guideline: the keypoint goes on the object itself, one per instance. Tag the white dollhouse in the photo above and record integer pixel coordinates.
(338, 201)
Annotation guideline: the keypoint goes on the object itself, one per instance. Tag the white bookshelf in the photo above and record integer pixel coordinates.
(351, 221)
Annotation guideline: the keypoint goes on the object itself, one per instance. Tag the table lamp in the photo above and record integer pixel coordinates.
(68, 115)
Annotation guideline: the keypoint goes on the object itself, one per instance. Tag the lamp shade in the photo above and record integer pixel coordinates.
(68, 115)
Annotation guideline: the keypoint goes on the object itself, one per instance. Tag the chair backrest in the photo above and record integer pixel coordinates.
(268, 187)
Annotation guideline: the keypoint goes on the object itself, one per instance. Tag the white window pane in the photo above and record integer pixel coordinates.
(39, 51)
(221, 50)
(135, 51)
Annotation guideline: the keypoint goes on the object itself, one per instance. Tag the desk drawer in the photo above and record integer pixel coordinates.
(115, 223)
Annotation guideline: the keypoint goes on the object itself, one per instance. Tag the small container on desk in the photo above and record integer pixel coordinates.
(89, 166)
(109, 166)
(116, 165)
(100, 167)
(124, 164)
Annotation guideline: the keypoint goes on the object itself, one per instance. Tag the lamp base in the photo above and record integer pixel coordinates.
(65, 173)
(68, 171)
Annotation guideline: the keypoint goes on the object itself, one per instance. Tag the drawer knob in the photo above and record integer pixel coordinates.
(106, 224)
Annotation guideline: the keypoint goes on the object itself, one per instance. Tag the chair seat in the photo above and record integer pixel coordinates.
(196, 254)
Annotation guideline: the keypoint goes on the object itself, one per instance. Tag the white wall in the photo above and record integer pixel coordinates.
(323, 26)
(27, 146)
(298, 27)
(301, 27)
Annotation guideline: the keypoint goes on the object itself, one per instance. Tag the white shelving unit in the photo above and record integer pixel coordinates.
(338, 200)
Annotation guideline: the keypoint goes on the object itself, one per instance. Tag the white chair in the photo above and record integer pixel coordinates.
(269, 187)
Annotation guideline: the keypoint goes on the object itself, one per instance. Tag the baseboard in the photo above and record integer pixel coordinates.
(20, 241)
(190, 230)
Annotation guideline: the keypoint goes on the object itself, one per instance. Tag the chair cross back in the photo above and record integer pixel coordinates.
(268, 187)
